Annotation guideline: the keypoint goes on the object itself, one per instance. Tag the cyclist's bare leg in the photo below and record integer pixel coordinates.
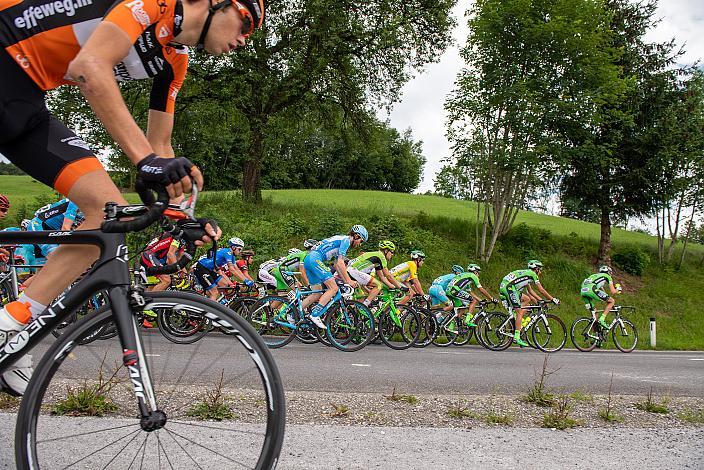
(373, 288)
(525, 301)
(329, 292)
(162, 285)
(308, 301)
(90, 192)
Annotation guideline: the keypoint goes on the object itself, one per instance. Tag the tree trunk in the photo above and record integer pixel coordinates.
(605, 240)
(689, 234)
(251, 188)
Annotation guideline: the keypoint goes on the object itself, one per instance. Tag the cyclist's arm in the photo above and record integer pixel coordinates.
(160, 125)
(235, 271)
(485, 293)
(341, 268)
(92, 70)
(417, 287)
(389, 280)
(532, 294)
(304, 276)
(543, 291)
(171, 255)
(613, 288)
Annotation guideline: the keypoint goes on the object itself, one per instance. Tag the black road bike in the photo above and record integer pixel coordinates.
(147, 395)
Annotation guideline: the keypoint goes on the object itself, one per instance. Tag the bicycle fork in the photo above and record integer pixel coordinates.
(133, 356)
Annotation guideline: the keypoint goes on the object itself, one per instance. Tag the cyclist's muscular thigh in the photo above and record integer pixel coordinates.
(90, 191)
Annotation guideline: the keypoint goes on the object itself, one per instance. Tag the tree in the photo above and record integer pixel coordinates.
(610, 159)
(315, 52)
(529, 65)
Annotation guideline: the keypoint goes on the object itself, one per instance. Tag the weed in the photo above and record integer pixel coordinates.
(410, 399)
(460, 412)
(651, 406)
(581, 396)
(692, 417)
(89, 399)
(559, 417)
(539, 394)
(607, 413)
(213, 405)
(8, 401)
(498, 418)
(339, 410)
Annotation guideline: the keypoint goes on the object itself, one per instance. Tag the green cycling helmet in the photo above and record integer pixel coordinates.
(534, 263)
(417, 254)
(474, 268)
(457, 269)
(387, 245)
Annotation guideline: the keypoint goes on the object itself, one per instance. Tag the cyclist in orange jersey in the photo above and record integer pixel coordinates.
(93, 43)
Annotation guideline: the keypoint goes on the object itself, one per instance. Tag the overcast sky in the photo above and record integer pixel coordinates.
(421, 108)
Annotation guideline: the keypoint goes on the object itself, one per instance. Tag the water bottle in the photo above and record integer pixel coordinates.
(13, 318)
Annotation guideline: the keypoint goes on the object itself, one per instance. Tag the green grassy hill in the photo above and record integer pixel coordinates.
(444, 229)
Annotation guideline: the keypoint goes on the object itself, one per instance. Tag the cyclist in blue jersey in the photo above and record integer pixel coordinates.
(211, 275)
(319, 273)
(437, 293)
(61, 215)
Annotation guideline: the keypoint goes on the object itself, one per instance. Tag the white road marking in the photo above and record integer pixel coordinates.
(153, 355)
(697, 359)
(361, 365)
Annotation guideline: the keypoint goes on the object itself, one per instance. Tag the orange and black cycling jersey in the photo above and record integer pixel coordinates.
(43, 37)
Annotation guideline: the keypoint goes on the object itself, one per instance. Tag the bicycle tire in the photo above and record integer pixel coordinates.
(408, 333)
(443, 337)
(549, 333)
(580, 334)
(179, 325)
(619, 333)
(430, 326)
(269, 322)
(350, 325)
(498, 339)
(245, 358)
(464, 334)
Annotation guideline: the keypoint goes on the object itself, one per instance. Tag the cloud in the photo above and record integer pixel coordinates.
(421, 107)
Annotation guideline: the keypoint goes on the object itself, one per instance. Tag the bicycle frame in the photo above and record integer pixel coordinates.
(109, 273)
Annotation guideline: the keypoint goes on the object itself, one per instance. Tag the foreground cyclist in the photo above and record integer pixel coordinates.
(319, 273)
(361, 268)
(516, 293)
(593, 290)
(89, 49)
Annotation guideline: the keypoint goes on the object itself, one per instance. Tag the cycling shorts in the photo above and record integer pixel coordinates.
(273, 279)
(510, 297)
(206, 278)
(437, 295)
(363, 278)
(316, 270)
(589, 294)
(33, 139)
(459, 302)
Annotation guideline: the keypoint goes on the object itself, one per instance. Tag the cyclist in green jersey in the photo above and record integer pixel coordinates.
(516, 292)
(460, 291)
(361, 268)
(593, 289)
(407, 273)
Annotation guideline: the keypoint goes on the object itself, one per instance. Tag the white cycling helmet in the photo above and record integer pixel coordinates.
(234, 241)
(606, 269)
(293, 251)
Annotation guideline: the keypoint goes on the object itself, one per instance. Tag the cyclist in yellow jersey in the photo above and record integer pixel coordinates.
(407, 273)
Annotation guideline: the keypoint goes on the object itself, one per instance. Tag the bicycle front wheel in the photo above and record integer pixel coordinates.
(549, 333)
(625, 335)
(350, 326)
(274, 318)
(403, 335)
(222, 398)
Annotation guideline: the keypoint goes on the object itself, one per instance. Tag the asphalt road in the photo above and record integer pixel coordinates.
(433, 370)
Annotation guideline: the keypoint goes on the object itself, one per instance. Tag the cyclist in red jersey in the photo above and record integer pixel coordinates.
(159, 252)
(91, 43)
(245, 262)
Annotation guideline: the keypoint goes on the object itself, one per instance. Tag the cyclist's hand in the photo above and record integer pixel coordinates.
(248, 283)
(353, 284)
(404, 289)
(496, 301)
(619, 288)
(200, 231)
(426, 297)
(556, 301)
(174, 173)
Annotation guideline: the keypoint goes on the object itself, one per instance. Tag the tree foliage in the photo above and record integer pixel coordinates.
(529, 66)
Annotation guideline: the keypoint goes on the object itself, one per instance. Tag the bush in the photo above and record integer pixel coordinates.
(632, 259)
(527, 240)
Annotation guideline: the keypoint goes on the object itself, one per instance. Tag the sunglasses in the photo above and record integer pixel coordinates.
(247, 20)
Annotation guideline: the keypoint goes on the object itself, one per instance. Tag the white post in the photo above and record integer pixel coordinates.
(652, 333)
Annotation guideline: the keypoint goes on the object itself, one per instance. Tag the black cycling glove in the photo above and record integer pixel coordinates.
(165, 171)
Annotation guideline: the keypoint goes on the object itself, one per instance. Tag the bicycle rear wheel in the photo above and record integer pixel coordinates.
(498, 331)
(272, 323)
(80, 411)
(429, 327)
(549, 333)
(625, 335)
(402, 337)
(583, 334)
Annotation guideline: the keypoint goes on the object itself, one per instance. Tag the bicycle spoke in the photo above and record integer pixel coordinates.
(120, 451)
(186, 423)
(171, 435)
(86, 433)
(168, 460)
(209, 449)
(102, 448)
